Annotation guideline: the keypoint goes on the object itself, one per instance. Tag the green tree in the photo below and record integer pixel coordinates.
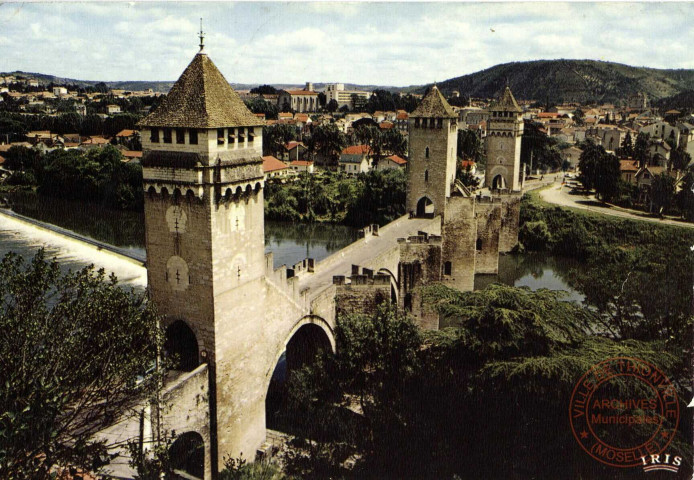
(332, 105)
(626, 149)
(329, 142)
(680, 159)
(76, 350)
(641, 152)
(662, 192)
(275, 137)
(607, 177)
(588, 162)
(470, 146)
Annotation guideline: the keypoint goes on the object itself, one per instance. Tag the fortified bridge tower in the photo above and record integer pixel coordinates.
(228, 314)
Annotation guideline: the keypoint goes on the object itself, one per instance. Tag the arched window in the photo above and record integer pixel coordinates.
(187, 455)
(426, 175)
(182, 346)
(426, 152)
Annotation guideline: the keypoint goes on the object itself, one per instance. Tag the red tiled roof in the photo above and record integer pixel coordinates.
(301, 163)
(385, 125)
(467, 163)
(126, 133)
(547, 115)
(628, 166)
(132, 154)
(284, 115)
(397, 159)
(357, 150)
(402, 116)
(302, 117)
(272, 164)
(291, 145)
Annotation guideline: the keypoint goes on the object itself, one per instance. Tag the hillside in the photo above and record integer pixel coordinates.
(556, 81)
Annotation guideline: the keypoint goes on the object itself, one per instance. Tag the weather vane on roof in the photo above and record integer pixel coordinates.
(202, 37)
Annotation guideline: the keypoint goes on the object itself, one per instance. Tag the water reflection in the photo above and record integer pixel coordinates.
(534, 271)
(290, 242)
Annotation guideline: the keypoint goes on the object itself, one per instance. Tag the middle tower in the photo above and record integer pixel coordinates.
(433, 136)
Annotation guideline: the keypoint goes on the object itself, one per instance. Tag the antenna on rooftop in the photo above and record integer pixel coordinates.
(202, 37)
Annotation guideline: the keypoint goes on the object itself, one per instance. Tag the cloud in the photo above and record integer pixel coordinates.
(368, 43)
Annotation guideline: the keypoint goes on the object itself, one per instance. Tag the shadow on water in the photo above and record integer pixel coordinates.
(534, 271)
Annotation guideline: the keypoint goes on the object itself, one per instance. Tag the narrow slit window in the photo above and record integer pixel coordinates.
(167, 135)
(220, 136)
(154, 136)
(193, 136)
(180, 136)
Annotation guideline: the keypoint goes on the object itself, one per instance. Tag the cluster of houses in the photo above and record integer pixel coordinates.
(38, 98)
(354, 160)
(45, 141)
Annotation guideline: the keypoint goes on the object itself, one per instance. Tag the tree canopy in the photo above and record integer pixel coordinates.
(76, 351)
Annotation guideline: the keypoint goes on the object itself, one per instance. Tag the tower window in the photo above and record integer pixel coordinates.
(232, 135)
(447, 268)
(439, 123)
(154, 136)
(426, 152)
(416, 123)
(426, 175)
(251, 134)
(432, 123)
(220, 136)
(193, 136)
(478, 244)
(167, 135)
(180, 136)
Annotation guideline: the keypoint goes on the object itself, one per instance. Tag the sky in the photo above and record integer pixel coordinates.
(395, 44)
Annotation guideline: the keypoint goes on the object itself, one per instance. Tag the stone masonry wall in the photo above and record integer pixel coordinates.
(420, 264)
(510, 218)
(360, 294)
(459, 232)
(488, 214)
(442, 144)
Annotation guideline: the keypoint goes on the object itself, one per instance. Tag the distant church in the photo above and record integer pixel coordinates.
(230, 315)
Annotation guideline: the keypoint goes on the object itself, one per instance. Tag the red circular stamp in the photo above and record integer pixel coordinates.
(624, 409)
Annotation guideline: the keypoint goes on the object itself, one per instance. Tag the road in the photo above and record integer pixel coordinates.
(558, 194)
(363, 250)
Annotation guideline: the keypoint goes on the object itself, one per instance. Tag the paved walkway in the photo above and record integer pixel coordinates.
(363, 250)
(560, 195)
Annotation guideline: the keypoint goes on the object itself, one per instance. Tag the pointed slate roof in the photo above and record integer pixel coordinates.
(433, 105)
(507, 103)
(201, 98)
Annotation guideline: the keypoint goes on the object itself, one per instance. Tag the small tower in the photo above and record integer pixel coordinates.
(204, 227)
(433, 136)
(504, 131)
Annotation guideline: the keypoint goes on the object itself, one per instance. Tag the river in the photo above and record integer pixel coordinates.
(290, 243)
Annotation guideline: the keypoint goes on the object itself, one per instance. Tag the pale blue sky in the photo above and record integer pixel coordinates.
(368, 43)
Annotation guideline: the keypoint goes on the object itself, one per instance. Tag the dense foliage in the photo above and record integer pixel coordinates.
(75, 349)
(599, 171)
(539, 150)
(558, 81)
(98, 176)
(373, 197)
(485, 397)
(637, 274)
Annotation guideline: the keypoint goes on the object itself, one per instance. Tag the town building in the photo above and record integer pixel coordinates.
(355, 159)
(274, 168)
(298, 100)
(349, 98)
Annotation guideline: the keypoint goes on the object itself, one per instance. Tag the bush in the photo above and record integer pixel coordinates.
(534, 235)
(21, 178)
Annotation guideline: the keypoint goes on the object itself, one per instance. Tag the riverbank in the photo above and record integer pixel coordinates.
(563, 196)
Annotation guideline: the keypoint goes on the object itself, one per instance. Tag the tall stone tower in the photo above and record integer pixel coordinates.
(433, 136)
(203, 180)
(504, 131)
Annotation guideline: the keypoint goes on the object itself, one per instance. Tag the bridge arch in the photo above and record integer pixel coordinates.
(187, 455)
(425, 207)
(306, 339)
(181, 344)
(394, 285)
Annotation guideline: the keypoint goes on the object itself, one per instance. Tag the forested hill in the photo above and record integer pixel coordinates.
(557, 81)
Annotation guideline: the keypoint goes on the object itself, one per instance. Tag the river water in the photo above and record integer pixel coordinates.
(290, 243)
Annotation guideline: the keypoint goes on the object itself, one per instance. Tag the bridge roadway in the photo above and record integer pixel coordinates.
(363, 251)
